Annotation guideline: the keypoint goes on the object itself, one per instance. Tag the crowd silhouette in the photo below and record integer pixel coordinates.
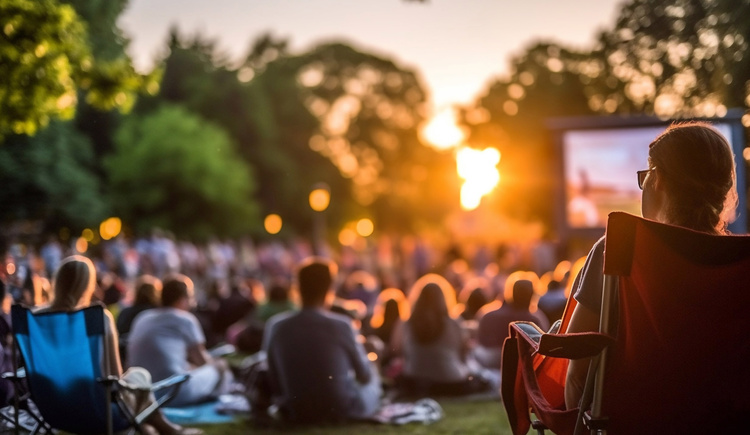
(423, 323)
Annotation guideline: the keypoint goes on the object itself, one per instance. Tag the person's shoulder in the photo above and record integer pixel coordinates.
(276, 320)
(336, 318)
(280, 317)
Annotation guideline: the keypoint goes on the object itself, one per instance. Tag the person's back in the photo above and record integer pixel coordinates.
(159, 341)
(314, 354)
(439, 361)
(317, 369)
(169, 340)
(493, 326)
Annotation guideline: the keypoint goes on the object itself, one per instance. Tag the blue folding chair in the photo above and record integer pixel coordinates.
(62, 354)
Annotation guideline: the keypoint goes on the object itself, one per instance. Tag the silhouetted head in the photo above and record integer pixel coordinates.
(523, 293)
(315, 279)
(148, 291)
(430, 310)
(75, 282)
(279, 290)
(177, 292)
(390, 306)
(691, 183)
(522, 289)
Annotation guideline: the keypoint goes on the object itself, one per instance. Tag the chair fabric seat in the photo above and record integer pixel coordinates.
(679, 360)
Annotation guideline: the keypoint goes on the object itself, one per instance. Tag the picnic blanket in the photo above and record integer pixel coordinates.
(223, 410)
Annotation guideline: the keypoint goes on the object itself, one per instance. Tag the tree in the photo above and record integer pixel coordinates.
(279, 110)
(678, 58)
(547, 81)
(46, 59)
(367, 111)
(49, 179)
(173, 170)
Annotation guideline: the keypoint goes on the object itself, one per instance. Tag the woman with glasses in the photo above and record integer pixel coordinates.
(689, 183)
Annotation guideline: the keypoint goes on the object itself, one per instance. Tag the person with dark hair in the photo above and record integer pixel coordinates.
(390, 310)
(519, 295)
(74, 285)
(147, 296)
(473, 297)
(277, 301)
(169, 340)
(233, 307)
(433, 344)
(318, 370)
(689, 182)
(552, 302)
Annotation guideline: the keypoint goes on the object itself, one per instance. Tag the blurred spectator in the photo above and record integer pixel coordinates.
(147, 296)
(169, 340)
(520, 292)
(391, 309)
(318, 370)
(433, 344)
(277, 301)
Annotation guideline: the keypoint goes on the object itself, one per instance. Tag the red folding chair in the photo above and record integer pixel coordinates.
(677, 356)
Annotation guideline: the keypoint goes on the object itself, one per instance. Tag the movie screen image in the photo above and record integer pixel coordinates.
(599, 169)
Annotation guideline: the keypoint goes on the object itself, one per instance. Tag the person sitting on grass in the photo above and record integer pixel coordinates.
(169, 340)
(74, 285)
(318, 370)
(434, 345)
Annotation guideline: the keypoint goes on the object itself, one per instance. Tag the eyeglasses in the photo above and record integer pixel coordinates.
(642, 176)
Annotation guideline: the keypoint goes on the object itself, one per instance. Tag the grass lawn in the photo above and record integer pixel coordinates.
(487, 417)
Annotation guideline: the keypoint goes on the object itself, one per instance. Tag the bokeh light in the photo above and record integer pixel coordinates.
(272, 223)
(110, 228)
(479, 170)
(365, 227)
(82, 245)
(87, 234)
(347, 237)
(319, 199)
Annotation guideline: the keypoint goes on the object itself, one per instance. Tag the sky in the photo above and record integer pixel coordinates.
(456, 46)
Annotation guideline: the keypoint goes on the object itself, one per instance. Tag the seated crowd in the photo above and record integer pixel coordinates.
(335, 344)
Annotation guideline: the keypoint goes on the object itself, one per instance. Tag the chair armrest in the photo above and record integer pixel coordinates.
(170, 381)
(571, 346)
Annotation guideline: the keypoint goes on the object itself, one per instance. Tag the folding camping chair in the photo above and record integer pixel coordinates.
(673, 347)
(62, 354)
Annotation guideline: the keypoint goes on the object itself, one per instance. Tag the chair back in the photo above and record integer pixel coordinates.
(62, 353)
(681, 361)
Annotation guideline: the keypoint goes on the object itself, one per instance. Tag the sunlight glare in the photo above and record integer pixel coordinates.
(478, 168)
(442, 131)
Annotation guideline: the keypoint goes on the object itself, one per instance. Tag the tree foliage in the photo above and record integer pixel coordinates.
(173, 170)
(679, 58)
(49, 178)
(333, 115)
(46, 59)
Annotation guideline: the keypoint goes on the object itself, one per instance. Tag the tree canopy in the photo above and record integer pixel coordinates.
(175, 171)
(46, 59)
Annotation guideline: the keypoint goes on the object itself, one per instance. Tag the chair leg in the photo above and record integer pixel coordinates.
(538, 426)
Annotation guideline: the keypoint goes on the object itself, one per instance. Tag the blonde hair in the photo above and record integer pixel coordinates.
(74, 284)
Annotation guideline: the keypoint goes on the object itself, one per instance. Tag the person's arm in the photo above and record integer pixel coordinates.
(114, 366)
(197, 355)
(582, 320)
(587, 290)
(358, 355)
